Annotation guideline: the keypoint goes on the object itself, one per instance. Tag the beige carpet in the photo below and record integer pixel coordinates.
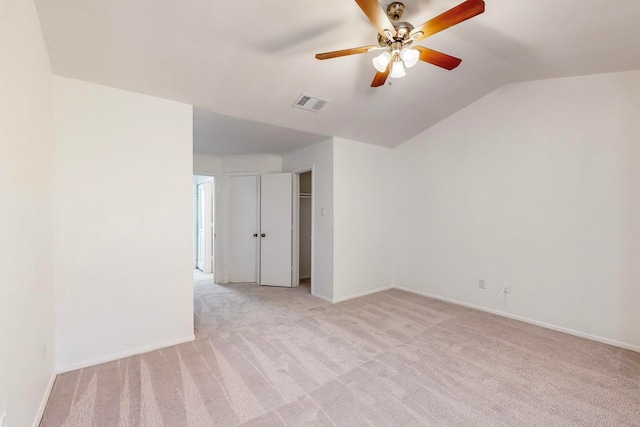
(272, 357)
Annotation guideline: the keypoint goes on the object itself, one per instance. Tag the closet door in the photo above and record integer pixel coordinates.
(243, 228)
(276, 204)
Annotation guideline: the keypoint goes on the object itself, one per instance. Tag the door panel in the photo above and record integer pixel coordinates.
(275, 227)
(200, 261)
(242, 220)
(208, 226)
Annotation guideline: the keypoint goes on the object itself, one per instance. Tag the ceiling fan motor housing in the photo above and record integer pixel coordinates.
(403, 30)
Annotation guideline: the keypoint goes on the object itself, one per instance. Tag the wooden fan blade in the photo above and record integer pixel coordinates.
(381, 77)
(451, 17)
(377, 16)
(438, 58)
(345, 52)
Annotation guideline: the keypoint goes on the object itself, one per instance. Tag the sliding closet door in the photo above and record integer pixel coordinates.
(276, 204)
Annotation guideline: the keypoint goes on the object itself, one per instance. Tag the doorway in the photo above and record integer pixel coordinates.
(305, 228)
(204, 230)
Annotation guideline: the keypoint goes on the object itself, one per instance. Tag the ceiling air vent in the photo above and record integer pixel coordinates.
(309, 103)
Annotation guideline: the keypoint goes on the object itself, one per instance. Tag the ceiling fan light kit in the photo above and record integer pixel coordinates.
(397, 69)
(381, 61)
(396, 37)
(409, 57)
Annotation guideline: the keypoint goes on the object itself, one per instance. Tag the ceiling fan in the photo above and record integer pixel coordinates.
(395, 38)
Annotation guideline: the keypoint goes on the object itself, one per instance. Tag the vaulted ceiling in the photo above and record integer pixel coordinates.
(251, 59)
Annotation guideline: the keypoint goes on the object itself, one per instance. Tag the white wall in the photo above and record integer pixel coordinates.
(209, 164)
(206, 163)
(362, 218)
(26, 215)
(320, 158)
(536, 185)
(219, 166)
(123, 223)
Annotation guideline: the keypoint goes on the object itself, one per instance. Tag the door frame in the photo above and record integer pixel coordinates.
(296, 224)
(210, 224)
(210, 228)
(201, 223)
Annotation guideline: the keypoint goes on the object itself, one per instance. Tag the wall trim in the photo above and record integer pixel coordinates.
(45, 399)
(207, 173)
(362, 294)
(573, 332)
(323, 298)
(111, 357)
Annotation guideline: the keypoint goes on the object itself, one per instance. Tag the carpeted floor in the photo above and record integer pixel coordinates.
(272, 357)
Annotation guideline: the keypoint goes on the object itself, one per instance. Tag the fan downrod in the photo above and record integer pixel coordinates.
(395, 10)
(403, 29)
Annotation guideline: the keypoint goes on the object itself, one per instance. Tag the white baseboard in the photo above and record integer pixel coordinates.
(323, 298)
(110, 358)
(526, 320)
(361, 294)
(352, 296)
(45, 399)
(304, 277)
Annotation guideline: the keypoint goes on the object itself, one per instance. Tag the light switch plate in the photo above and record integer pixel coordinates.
(2, 417)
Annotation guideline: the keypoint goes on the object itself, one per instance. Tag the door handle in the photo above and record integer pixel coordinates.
(255, 234)
(263, 235)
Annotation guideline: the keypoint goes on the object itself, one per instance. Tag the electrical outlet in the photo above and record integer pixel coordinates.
(481, 284)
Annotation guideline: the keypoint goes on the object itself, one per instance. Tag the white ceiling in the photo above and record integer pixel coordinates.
(251, 59)
(221, 135)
